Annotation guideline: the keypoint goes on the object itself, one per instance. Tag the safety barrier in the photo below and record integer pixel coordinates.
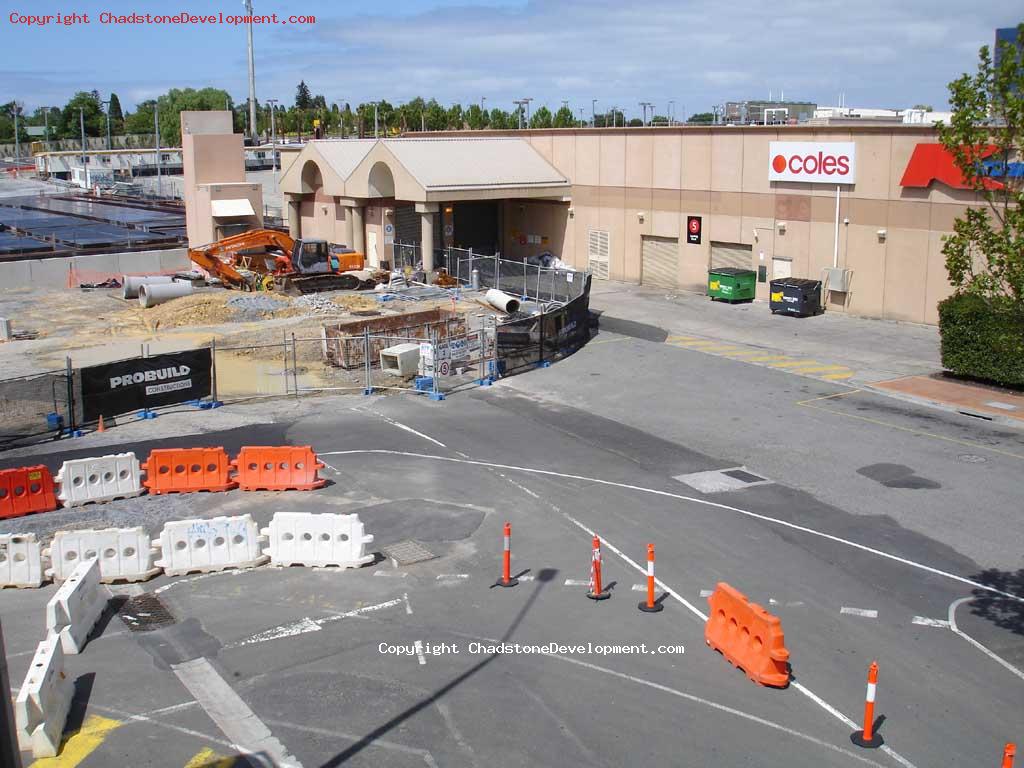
(76, 607)
(26, 490)
(185, 470)
(44, 701)
(199, 546)
(319, 540)
(21, 560)
(282, 468)
(103, 478)
(124, 554)
(747, 636)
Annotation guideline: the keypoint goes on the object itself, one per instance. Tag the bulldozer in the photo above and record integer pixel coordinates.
(269, 260)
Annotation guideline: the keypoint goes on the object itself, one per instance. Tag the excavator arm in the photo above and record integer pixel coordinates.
(222, 258)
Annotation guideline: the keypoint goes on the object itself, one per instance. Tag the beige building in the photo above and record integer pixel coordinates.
(825, 203)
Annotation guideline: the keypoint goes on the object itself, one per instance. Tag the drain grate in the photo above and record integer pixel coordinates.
(744, 476)
(407, 552)
(144, 613)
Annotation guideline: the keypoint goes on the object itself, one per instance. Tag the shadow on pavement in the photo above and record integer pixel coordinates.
(1004, 612)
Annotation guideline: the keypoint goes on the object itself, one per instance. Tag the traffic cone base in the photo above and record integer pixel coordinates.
(874, 742)
(510, 583)
(599, 595)
(643, 606)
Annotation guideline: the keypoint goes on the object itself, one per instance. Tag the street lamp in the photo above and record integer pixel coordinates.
(527, 102)
(519, 110)
(671, 112)
(593, 113)
(81, 123)
(273, 138)
(156, 143)
(17, 143)
(645, 105)
(615, 111)
(107, 105)
(252, 72)
(482, 100)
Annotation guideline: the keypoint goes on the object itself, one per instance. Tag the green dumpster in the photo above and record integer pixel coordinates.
(731, 284)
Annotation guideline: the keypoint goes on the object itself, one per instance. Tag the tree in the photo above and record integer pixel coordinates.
(701, 118)
(436, 116)
(116, 115)
(303, 99)
(500, 119)
(455, 119)
(925, 107)
(985, 253)
(564, 118)
(7, 122)
(476, 118)
(636, 122)
(70, 122)
(658, 120)
(541, 118)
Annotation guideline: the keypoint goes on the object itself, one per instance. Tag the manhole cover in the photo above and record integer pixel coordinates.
(972, 458)
(144, 613)
(408, 552)
(743, 476)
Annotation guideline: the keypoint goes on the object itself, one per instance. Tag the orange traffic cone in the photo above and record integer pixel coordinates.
(101, 428)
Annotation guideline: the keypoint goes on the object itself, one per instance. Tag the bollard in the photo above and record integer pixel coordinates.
(596, 590)
(1009, 752)
(506, 565)
(867, 738)
(649, 606)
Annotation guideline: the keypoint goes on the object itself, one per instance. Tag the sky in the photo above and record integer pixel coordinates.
(880, 53)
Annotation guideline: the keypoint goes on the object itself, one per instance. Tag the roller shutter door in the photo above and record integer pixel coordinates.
(734, 255)
(660, 262)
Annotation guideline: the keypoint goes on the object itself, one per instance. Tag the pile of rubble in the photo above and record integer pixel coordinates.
(318, 304)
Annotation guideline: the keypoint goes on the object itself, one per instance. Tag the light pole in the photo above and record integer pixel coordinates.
(107, 105)
(581, 117)
(482, 100)
(671, 112)
(17, 142)
(527, 102)
(156, 142)
(252, 73)
(81, 124)
(376, 130)
(273, 138)
(519, 111)
(645, 105)
(593, 113)
(615, 111)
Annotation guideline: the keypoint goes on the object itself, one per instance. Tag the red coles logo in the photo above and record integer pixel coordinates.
(812, 164)
(933, 162)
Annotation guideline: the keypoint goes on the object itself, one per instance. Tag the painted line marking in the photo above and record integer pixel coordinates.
(232, 715)
(451, 576)
(76, 747)
(866, 613)
(129, 718)
(207, 758)
(791, 604)
(400, 425)
(200, 577)
(522, 488)
(707, 592)
(527, 577)
(837, 376)
(408, 605)
(392, 574)
(822, 368)
(639, 587)
(794, 364)
(576, 583)
(766, 358)
(924, 621)
(992, 655)
(705, 502)
(333, 733)
(419, 653)
(302, 626)
(681, 338)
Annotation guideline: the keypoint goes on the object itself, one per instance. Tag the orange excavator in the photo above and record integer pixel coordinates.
(269, 260)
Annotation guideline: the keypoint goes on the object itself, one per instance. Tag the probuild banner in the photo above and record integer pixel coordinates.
(145, 382)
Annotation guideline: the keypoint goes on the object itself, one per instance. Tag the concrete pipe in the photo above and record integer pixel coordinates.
(501, 300)
(151, 295)
(130, 283)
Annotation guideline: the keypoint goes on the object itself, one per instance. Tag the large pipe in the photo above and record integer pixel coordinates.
(501, 300)
(131, 283)
(151, 295)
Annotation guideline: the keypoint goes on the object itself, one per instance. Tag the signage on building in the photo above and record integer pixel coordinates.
(693, 230)
(815, 162)
(933, 162)
(145, 382)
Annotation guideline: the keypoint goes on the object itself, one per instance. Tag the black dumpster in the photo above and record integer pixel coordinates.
(796, 296)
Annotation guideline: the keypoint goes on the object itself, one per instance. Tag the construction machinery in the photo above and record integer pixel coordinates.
(269, 260)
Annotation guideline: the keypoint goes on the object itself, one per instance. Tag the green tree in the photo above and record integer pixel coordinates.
(985, 253)
(141, 120)
(542, 118)
(69, 122)
(303, 99)
(116, 115)
(476, 118)
(701, 118)
(7, 122)
(658, 120)
(636, 122)
(436, 117)
(564, 118)
(499, 119)
(454, 118)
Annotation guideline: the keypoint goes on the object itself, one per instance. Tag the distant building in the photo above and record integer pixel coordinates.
(1004, 35)
(875, 116)
(768, 112)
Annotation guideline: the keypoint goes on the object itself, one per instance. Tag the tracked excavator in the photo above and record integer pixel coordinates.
(269, 260)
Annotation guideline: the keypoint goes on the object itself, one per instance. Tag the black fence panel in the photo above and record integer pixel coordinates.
(146, 382)
(35, 407)
(545, 337)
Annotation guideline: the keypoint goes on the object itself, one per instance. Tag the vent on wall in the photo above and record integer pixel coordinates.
(599, 253)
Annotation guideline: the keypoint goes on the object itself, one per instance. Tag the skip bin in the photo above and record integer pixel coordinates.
(731, 284)
(796, 296)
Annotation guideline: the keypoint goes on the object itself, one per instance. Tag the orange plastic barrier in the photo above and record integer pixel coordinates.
(26, 490)
(185, 470)
(282, 468)
(747, 636)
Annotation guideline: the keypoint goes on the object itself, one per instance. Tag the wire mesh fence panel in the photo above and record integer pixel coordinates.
(26, 405)
(521, 278)
(309, 371)
(257, 370)
(462, 362)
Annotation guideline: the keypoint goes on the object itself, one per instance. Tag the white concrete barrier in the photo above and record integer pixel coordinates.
(216, 544)
(21, 560)
(320, 540)
(43, 701)
(74, 610)
(103, 478)
(125, 554)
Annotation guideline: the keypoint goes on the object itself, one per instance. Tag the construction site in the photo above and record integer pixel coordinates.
(470, 460)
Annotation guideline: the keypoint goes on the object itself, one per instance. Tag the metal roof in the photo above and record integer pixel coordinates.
(474, 163)
(343, 155)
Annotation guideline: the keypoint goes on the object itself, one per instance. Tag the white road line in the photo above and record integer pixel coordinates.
(332, 733)
(400, 425)
(199, 577)
(304, 625)
(639, 587)
(952, 625)
(924, 621)
(419, 653)
(408, 605)
(392, 574)
(705, 502)
(128, 717)
(524, 577)
(232, 715)
(522, 488)
(577, 583)
(707, 592)
(803, 689)
(451, 576)
(866, 613)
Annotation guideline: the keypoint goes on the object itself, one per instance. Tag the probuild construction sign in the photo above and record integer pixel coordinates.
(145, 382)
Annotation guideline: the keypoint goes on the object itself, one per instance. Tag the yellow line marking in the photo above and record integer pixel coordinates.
(920, 432)
(719, 349)
(837, 376)
(825, 368)
(749, 352)
(698, 343)
(609, 341)
(79, 745)
(207, 758)
(794, 364)
(670, 339)
(766, 358)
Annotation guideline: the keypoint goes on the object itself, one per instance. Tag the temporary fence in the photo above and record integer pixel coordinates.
(37, 406)
(520, 278)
